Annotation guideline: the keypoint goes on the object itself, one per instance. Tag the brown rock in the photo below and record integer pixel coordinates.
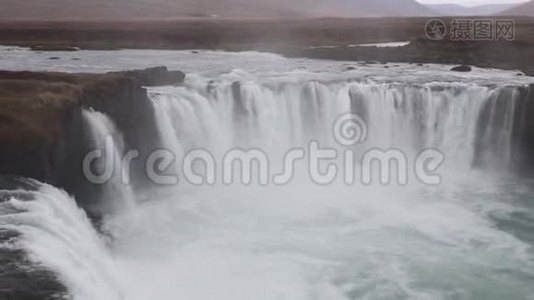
(157, 76)
(462, 68)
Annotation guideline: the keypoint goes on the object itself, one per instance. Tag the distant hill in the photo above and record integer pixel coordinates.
(387, 8)
(526, 9)
(460, 10)
(132, 9)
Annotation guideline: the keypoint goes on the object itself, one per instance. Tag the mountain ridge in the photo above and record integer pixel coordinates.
(135, 9)
(525, 9)
(448, 9)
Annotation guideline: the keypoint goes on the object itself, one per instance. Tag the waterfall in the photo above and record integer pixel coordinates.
(105, 168)
(463, 121)
(54, 232)
(497, 127)
(296, 241)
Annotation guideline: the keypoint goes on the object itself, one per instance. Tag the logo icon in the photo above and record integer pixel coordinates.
(435, 30)
(349, 130)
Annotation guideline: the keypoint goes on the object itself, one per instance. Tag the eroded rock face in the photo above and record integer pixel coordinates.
(524, 136)
(42, 132)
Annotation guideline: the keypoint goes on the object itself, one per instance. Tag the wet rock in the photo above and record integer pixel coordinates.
(54, 48)
(157, 76)
(462, 68)
(21, 279)
(239, 107)
(210, 87)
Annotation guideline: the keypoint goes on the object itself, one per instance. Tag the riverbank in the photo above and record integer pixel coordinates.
(334, 39)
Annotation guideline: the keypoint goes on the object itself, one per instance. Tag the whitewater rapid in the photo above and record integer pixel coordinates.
(469, 237)
(290, 243)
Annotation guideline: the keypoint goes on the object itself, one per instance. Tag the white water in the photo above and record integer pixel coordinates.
(463, 239)
(295, 242)
(58, 234)
(108, 142)
(275, 117)
(382, 45)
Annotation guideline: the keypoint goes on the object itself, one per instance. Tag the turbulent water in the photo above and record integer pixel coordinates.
(469, 237)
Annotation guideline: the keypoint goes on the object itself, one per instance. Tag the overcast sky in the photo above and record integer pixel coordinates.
(471, 2)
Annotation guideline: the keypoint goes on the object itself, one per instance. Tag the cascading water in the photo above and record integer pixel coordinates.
(55, 233)
(277, 117)
(468, 238)
(108, 148)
